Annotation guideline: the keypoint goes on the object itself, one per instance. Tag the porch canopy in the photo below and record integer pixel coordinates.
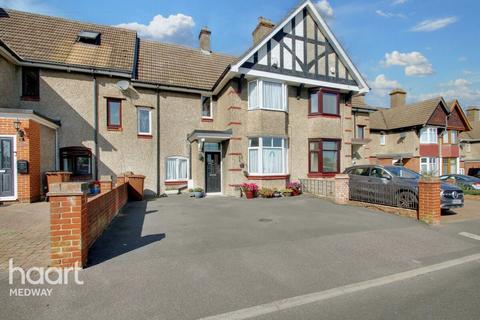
(209, 135)
(26, 114)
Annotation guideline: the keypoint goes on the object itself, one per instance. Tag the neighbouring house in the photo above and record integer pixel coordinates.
(360, 144)
(98, 100)
(470, 142)
(423, 136)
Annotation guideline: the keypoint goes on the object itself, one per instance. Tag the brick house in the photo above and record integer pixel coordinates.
(423, 136)
(108, 102)
(470, 142)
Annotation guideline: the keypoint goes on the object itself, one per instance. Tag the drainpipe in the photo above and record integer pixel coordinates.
(158, 141)
(57, 152)
(95, 125)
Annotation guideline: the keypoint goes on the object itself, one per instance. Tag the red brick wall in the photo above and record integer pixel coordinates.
(28, 185)
(429, 201)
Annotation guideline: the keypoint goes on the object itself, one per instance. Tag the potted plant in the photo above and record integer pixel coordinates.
(250, 190)
(277, 194)
(266, 193)
(296, 188)
(198, 193)
(287, 192)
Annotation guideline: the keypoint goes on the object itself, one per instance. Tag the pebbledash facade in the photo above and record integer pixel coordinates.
(424, 136)
(97, 100)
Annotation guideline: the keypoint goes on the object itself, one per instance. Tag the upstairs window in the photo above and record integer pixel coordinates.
(114, 114)
(89, 37)
(144, 116)
(324, 102)
(383, 139)
(428, 135)
(360, 133)
(206, 107)
(453, 136)
(177, 169)
(30, 83)
(267, 95)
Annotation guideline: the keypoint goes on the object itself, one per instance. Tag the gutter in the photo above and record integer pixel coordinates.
(171, 88)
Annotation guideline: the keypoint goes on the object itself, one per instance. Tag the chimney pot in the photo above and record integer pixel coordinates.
(263, 28)
(205, 39)
(398, 98)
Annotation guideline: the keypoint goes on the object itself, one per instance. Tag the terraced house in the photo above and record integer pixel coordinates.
(98, 100)
(423, 136)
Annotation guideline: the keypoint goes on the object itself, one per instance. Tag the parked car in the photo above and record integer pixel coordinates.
(463, 181)
(474, 172)
(395, 186)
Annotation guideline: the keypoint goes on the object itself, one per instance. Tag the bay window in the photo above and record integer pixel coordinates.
(267, 95)
(324, 156)
(428, 135)
(144, 119)
(177, 169)
(267, 156)
(78, 161)
(324, 102)
(429, 166)
(453, 136)
(449, 166)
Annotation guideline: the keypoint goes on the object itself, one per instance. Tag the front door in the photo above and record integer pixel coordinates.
(6, 167)
(213, 178)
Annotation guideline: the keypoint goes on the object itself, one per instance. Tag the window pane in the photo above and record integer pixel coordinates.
(277, 142)
(267, 142)
(171, 169)
(314, 102)
(206, 107)
(6, 155)
(254, 142)
(330, 161)
(360, 132)
(253, 94)
(30, 82)
(314, 162)
(272, 95)
(182, 171)
(114, 113)
(83, 166)
(314, 146)
(330, 145)
(253, 161)
(454, 137)
(143, 121)
(272, 161)
(330, 103)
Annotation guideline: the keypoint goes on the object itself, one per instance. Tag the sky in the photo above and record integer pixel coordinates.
(427, 47)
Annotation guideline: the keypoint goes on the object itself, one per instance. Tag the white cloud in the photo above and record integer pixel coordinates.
(462, 59)
(460, 89)
(432, 25)
(386, 14)
(397, 2)
(381, 86)
(27, 5)
(325, 8)
(414, 62)
(174, 28)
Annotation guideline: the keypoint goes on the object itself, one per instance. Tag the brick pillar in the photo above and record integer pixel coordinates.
(68, 224)
(342, 191)
(429, 209)
(106, 184)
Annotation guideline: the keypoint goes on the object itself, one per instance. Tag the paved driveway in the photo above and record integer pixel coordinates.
(24, 235)
(181, 258)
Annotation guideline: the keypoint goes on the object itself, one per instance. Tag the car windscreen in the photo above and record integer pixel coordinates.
(402, 172)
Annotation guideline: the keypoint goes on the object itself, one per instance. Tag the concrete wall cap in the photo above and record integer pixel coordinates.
(68, 188)
(106, 178)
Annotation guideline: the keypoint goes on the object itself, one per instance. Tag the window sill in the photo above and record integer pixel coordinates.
(322, 175)
(266, 109)
(323, 115)
(175, 182)
(272, 177)
(27, 98)
(206, 119)
(114, 129)
(144, 136)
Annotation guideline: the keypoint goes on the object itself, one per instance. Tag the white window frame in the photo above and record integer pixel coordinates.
(429, 135)
(259, 149)
(202, 98)
(433, 165)
(177, 168)
(383, 139)
(453, 137)
(260, 104)
(445, 137)
(149, 133)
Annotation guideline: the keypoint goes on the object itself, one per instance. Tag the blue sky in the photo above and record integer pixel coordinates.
(428, 47)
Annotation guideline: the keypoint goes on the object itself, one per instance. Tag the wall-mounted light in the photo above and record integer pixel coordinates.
(20, 133)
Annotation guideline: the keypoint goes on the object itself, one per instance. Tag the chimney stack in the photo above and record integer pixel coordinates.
(473, 115)
(398, 98)
(204, 37)
(263, 28)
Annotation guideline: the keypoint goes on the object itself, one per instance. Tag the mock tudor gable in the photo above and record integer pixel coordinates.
(303, 47)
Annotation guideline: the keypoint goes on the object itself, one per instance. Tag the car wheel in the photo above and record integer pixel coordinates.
(406, 200)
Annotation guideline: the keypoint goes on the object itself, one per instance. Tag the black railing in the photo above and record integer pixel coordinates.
(384, 194)
(319, 187)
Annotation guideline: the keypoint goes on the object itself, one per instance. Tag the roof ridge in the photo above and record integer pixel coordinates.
(67, 19)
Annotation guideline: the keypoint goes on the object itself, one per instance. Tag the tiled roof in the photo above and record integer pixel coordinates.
(179, 66)
(406, 116)
(46, 39)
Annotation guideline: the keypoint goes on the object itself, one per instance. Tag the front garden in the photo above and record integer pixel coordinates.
(251, 191)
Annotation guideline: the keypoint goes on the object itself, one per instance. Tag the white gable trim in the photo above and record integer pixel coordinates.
(338, 48)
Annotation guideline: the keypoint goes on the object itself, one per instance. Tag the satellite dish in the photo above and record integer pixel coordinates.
(123, 85)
